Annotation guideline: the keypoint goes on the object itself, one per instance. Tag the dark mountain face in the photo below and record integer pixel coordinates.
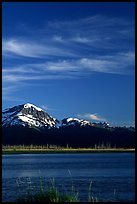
(27, 124)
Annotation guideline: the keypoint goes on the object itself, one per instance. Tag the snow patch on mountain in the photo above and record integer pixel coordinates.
(29, 105)
(75, 121)
(31, 115)
(27, 115)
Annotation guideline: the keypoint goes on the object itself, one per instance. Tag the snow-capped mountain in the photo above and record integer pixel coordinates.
(27, 124)
(27, 115)
(33, 116)
(75, 121)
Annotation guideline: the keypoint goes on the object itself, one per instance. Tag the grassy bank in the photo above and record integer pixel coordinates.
(51, 193)
(38, 150)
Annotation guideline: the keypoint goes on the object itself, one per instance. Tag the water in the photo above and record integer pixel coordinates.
(112, 175)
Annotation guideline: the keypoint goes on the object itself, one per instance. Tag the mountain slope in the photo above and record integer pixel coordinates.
(27, 115)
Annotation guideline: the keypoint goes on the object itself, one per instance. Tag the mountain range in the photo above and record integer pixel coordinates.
(31, 115)
(29, 124)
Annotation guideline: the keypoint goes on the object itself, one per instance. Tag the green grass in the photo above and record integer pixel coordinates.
(55, 150)
(48, 194)
(52, 194)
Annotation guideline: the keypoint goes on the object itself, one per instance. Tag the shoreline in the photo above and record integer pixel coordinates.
(66, 150)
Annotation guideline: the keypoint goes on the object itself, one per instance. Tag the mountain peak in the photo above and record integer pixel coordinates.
(29, 105)
(30, 115)
(27, 115)
(75, 121)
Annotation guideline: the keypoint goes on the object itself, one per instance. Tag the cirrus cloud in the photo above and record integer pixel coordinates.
(69, 50)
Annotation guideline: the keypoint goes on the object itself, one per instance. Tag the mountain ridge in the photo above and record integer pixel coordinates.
(27, 124)
(31, 115)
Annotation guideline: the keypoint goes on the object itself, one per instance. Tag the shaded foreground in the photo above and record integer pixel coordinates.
(52, 194)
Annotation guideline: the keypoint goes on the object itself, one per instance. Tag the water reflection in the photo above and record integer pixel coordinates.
(112, 175)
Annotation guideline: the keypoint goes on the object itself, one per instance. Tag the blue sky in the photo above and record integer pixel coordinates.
(73, 59)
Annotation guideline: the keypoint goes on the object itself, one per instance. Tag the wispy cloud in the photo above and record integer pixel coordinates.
(73, 38)
(90, 116)
(8, 93)
(19, 78)
(28, 48)
(58, 38)
(120, 63)
(81, 39)
(12, 77)
(44, 107)
(96, 31)
(69, 50)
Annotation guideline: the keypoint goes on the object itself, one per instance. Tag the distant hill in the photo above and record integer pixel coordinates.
(27, 124)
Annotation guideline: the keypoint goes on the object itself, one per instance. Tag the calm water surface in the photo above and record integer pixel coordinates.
(112, 174)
